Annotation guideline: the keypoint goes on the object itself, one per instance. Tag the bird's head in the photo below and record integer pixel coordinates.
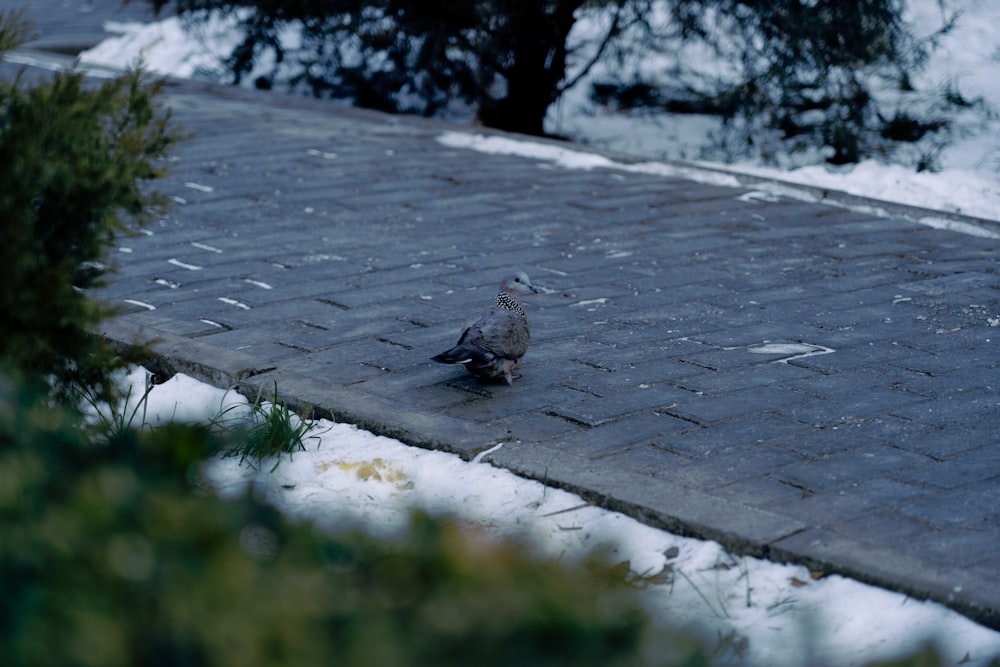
(517, 283)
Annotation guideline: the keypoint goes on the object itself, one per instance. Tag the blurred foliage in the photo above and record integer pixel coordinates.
(75, 158)
(115, 553)
(112, 555)
(14, 29)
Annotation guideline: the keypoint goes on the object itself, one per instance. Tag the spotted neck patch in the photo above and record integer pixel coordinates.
(505, 301)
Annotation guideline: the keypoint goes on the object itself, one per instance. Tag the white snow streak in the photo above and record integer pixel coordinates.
(189, 267)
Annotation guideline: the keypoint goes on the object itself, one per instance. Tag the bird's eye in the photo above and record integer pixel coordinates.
(517, 280)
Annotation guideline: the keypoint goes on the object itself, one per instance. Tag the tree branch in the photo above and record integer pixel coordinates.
(613, 31)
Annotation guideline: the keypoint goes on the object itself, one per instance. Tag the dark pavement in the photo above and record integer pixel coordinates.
(333, 251)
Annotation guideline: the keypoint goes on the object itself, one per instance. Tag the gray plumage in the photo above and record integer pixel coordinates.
(492, 347)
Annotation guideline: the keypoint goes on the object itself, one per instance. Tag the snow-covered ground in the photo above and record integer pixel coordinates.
(767, 613)
(967, 58)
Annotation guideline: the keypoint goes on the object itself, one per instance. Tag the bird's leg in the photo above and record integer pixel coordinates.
(508, 371)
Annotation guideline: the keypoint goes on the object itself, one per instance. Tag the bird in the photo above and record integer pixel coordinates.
(492, 347)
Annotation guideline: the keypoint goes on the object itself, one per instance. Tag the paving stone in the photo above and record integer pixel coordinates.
(859, 499)
(595, 410)
(706, 410)
(952, 546)
(760, 492)
(881, 527)
(698, 443)
(880, 430)
(957, 411)
(846, 355)
(973, 507)
(641, 458)
(912, 573)
(501, 402)
(737, 379)
(605, 440)
(970, 466)
(731, 465)
(538, 427)
(847, 405)
(942, 444)
(840, 471)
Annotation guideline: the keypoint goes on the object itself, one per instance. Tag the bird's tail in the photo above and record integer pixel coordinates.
(456, 355)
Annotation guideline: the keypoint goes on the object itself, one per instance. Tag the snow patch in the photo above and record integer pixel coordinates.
(779, 613)
(791, 351)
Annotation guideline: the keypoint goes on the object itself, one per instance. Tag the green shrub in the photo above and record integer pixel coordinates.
(75, 158)
(111, 557)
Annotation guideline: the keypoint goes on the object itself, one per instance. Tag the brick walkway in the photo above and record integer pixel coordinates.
(799, 381)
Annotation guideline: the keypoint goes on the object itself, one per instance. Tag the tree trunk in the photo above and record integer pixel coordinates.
(536, 42)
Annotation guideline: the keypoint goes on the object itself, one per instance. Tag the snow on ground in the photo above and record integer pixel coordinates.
(768, 613)
(952, 190)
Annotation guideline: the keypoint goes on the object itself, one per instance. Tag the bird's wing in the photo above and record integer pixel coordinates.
(502, 332)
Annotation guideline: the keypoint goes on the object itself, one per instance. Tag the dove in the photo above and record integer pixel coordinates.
(492, 347)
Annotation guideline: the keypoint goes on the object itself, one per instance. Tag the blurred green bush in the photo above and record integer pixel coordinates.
(75, 156)
(111, 555)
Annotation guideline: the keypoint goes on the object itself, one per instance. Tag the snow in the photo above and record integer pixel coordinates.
(968, 58)
(953, 190)
(777, 614)
(172, 46)
(569, 158)
(774, 614)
